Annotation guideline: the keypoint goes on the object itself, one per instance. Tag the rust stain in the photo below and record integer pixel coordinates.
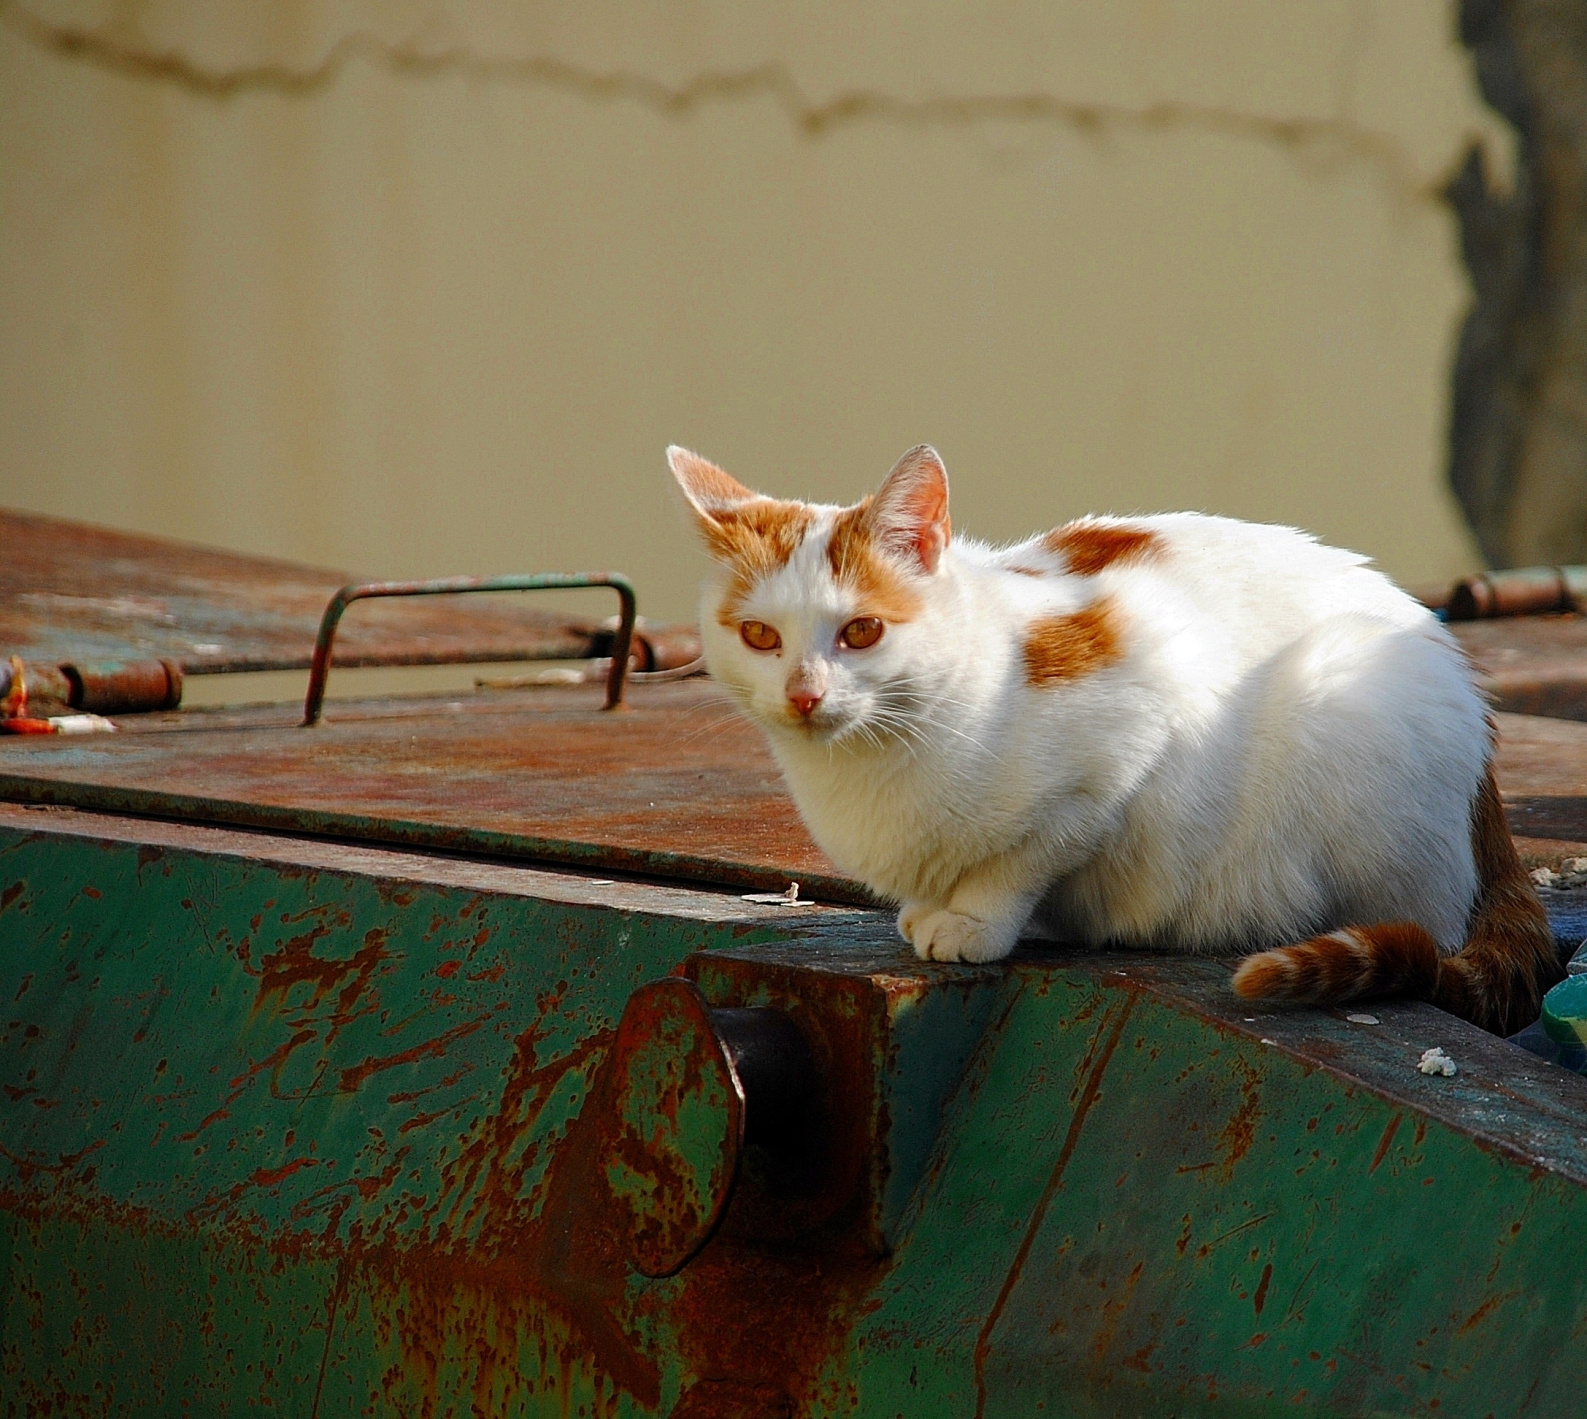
(29, 1168)
(1109, 1034)
(1240, 1132)
(1486, 1309)
(1112, 1310)
(353, 1077)
(1390, 1129)
(1260, 1299)
(1206, 1248)
(11, 893)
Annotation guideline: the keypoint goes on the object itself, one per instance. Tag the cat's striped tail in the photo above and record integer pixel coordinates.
(1496, 980)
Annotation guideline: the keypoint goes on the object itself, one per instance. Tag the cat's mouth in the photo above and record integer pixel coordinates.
(820, 725)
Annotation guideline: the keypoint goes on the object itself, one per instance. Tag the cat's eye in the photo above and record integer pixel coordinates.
(862, 632)
(757, 635)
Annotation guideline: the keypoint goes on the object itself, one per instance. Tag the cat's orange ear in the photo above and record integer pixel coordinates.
(708, 489)
(909, 515)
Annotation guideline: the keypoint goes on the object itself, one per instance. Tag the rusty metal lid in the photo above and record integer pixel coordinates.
(71, 592)
(676, 785)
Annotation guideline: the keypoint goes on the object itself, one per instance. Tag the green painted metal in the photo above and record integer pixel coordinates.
(321, 1130)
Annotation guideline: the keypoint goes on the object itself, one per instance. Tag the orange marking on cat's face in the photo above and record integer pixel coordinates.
(1087, 547)
(881, 588)
(1028, 571)
(754, 539)
(1059, 648)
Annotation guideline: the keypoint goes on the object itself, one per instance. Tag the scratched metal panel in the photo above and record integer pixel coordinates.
(675, 785)
(277, 1133)
(313, 1128)
(71, 592)
(1234, 1217)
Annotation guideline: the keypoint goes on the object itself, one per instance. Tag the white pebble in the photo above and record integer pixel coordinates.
(1363, 1019)
(1435, 1061)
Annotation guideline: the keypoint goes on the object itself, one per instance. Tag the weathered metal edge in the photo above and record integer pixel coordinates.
(335, 826)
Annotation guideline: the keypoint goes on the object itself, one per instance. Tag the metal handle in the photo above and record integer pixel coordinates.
(320, 671)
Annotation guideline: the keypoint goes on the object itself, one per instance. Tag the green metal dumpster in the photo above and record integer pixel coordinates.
(471, 1055)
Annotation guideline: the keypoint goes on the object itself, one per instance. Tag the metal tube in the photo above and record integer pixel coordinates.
(622, 640)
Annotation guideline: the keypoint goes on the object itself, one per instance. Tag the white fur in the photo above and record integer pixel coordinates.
(1290, 744)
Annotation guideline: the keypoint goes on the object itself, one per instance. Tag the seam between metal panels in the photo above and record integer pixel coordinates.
(1088, 1097)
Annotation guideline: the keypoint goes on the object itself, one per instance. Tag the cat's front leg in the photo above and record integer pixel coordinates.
(940, 934)
(981, 918)
(981, 922)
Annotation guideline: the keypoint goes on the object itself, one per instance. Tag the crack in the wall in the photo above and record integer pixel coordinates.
(1325, 140)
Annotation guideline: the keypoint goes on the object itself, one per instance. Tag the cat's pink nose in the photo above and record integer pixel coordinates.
(803, 702)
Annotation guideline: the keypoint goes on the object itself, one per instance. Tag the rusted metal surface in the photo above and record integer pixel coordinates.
(71, 592)
(676, 786)
(1532, 664)
(351, 1158)
(679, 786)
(325, 638)
(1542, 766)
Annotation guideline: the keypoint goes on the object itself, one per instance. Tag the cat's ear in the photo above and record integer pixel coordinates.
(708, 489)
(909, 514)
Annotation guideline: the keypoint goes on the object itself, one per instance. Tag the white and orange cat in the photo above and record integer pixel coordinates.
(1180, 732)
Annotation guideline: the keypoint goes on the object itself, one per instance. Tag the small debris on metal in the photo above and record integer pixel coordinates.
(82, 724)
(1267, 1041)
(1572, 873)
(789, 898)
(58, 724)
(1363, 1019)
(1435, 1061)
(602, 882)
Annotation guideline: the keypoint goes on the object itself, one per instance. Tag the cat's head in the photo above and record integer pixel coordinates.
(813, 614)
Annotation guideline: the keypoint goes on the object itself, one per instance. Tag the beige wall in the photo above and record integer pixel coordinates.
(423, 287)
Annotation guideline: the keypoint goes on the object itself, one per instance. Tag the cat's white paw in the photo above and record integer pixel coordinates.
(952, 936)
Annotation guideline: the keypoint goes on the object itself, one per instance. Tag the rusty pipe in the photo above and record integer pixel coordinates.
(1519, 591)
(98, 687)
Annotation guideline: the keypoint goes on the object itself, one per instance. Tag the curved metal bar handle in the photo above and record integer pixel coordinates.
(320, 671)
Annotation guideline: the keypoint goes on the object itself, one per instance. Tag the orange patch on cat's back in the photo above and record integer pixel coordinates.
(756, 537)
(855, 562)
(1087, 546)
(1059, 648)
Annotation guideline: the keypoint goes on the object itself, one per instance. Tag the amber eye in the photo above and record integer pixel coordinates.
(757, 635)
(862, 632)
